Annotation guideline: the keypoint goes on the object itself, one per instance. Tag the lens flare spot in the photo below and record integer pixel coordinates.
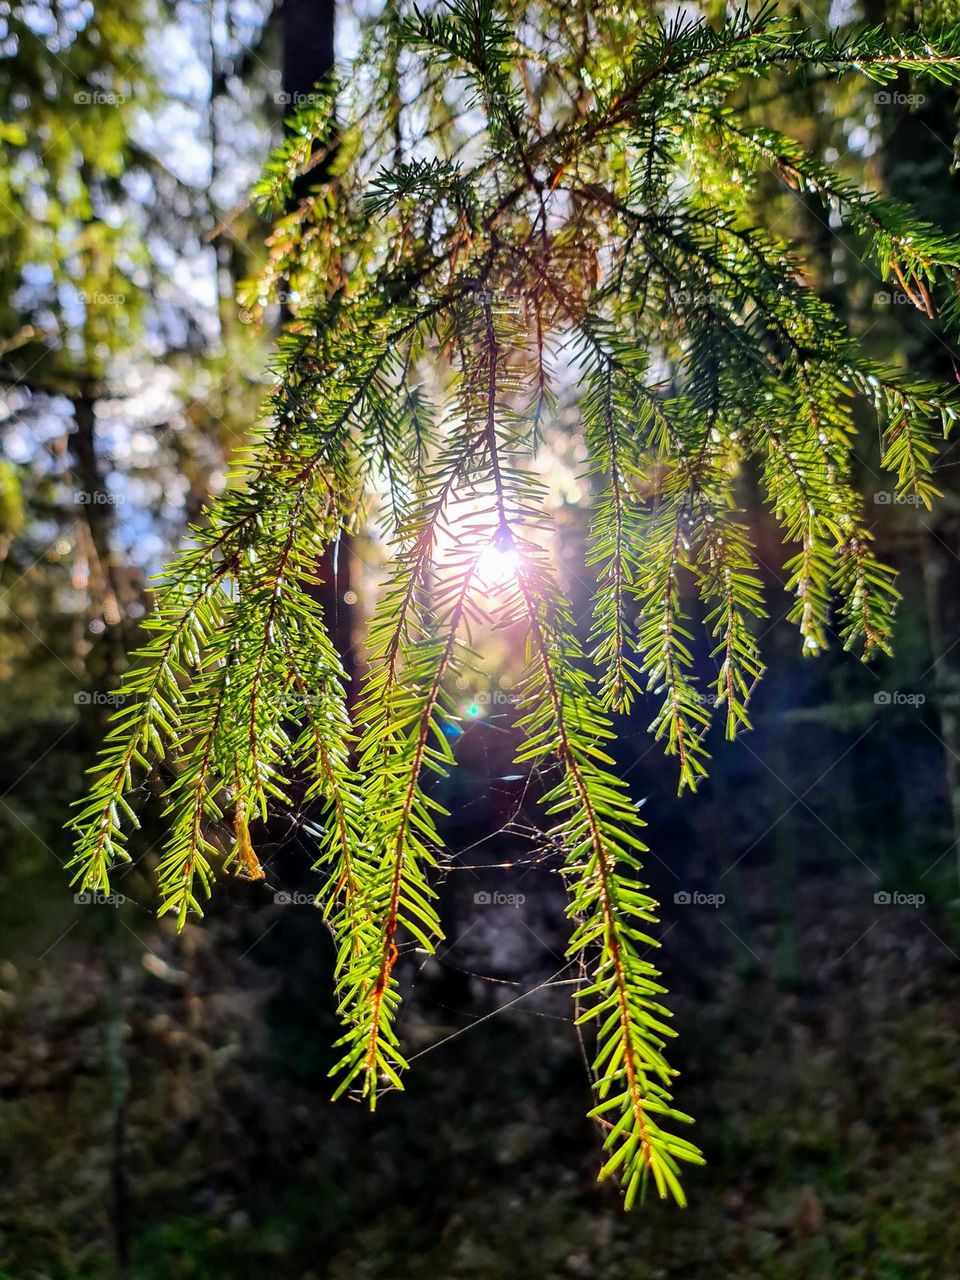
(496, 566)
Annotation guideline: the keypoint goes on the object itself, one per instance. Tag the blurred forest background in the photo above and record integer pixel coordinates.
(163, 1098)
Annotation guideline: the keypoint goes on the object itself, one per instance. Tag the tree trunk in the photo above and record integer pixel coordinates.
(95, 513)
(308, 31)
(308, 58)
(105, 662)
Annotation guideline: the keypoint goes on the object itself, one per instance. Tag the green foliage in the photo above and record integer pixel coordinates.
(611, 909)
(580, 199)
(72, 84)
(11, 502)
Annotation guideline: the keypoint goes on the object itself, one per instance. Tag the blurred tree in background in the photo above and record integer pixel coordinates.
(126, 377)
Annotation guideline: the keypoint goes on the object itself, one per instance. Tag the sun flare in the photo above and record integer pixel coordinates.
(496, 566)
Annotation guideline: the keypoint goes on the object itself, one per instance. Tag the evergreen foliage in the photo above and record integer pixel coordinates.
(511, 192)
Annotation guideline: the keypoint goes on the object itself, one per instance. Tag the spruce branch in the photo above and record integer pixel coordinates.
(520, 237)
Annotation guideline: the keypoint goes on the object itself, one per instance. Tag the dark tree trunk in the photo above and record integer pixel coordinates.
(308, 57)
(105, 663)
(96, 513)
(308, 29)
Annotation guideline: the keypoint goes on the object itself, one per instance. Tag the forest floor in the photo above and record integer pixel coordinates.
(164, 1113)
